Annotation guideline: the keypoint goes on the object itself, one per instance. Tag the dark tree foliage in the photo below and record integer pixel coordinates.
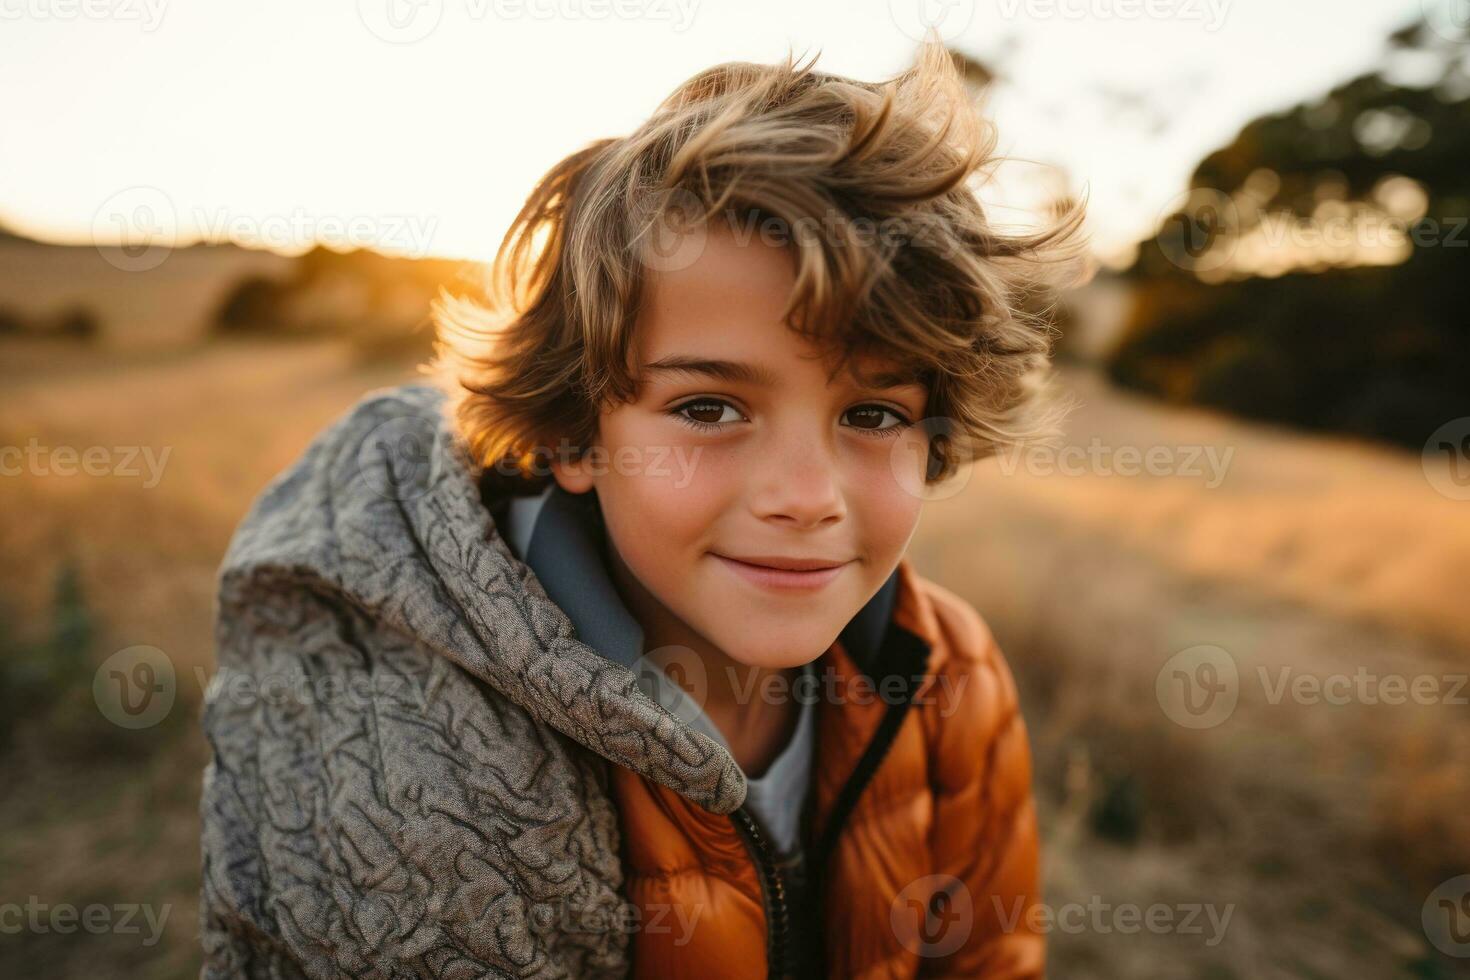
(1378, 351)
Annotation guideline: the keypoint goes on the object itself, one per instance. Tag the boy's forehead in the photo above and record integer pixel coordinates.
(727, 280)
(725, 311)
(729, 356)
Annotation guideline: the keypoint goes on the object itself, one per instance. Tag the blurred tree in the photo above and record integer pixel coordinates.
(1246, 301)
(379, 302)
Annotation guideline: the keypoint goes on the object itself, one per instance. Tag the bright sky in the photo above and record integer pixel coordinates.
(420, 125)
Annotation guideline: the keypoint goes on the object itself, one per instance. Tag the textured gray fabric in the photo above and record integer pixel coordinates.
(410, 745)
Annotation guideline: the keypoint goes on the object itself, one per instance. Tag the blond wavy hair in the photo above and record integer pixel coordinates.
(898, 258)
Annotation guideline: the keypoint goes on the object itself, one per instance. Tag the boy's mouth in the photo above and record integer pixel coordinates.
(780, 572)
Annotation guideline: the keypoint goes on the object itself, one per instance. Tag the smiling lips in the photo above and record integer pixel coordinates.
(777, 572)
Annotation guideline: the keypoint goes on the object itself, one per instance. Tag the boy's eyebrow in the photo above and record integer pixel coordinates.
(894, 379)
(739, 371)
(756, 374)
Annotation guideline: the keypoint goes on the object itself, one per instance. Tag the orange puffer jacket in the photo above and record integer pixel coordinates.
(922, 823)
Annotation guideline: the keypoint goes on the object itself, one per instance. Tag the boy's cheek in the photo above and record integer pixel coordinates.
(682, 488)
(886, 509)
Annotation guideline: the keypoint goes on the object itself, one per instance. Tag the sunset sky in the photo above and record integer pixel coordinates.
(418, 126)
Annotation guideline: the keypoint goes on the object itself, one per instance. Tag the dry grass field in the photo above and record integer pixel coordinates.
(1311, 831)
(1325, 817)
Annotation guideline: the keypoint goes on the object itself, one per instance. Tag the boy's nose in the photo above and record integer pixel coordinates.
(800, 485)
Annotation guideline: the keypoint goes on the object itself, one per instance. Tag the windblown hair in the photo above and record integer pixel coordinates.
(898, 258)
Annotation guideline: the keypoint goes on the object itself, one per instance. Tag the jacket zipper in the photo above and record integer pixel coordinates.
(773, 885)
(846, 801)
(773, 888)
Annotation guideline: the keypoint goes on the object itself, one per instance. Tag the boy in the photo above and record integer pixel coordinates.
(609, 662)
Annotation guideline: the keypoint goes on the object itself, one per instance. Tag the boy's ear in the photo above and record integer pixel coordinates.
(572, 475)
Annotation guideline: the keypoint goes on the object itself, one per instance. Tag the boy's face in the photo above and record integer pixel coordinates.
(783, 466)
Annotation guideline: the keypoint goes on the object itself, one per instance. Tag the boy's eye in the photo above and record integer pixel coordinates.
(709, 414)
(871, 420)
(705, 413)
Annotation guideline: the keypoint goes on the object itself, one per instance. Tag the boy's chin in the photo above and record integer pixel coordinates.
(782, 650)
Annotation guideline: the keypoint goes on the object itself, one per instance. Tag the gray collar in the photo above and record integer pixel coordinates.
(560, 535)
